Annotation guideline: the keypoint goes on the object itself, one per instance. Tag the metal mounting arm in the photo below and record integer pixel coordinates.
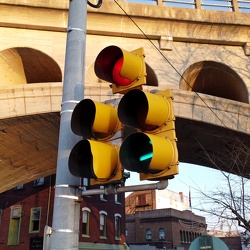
(111, 189)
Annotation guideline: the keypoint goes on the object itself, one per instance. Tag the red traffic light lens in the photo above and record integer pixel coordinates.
(118, 79)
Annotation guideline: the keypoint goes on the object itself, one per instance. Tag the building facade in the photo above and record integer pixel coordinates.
(156, 199)
(231, 239)
(148, 222)
(164, 228)
(27, 209)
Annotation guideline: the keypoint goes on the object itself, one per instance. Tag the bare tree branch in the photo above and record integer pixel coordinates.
(229, 202)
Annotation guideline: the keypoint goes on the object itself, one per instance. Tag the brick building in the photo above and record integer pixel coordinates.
(232, 242)
(231, 239)
(155, 199)
(164, 228)
(26, 210)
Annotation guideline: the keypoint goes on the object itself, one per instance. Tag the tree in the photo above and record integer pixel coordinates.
(230, 200)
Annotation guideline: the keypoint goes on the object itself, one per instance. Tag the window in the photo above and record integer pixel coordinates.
(18, 187)
(1, 214)
(141, 200)
(103, 224)
(118, 198)
(181, 237)
(14, 228)
(35, 216)
(38, 182)
(192, 236)
(118, 226)
(16, 212)
(85, 221)
(148, 234)
(161, 234)
(103, 197)
(85, 184)
(186, 237)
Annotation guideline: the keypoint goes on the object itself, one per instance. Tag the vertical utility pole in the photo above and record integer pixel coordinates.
(66, 214)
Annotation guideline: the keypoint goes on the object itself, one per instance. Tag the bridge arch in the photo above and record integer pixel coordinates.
(214, 79)
(23, 65)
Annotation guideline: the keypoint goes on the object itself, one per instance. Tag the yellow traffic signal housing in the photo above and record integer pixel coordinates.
(125, 70)
(96, 160)
(95, 157)
(152, 151)
(91, 119)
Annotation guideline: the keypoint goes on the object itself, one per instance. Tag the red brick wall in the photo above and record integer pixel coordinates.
(171, 220)
(31, 196)
(96, 205)
(233, 243)
(28, 197)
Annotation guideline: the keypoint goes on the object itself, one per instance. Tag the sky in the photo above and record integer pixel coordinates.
(190, 177)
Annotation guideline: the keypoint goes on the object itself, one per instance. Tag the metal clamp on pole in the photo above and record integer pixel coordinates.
(66, 196)
(74, 102)
(76, 29)
(65, 231)
(66, 186)
(73, 197)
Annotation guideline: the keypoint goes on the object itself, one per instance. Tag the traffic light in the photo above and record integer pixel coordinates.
(95, 157)
(152, 150)
(124, 70)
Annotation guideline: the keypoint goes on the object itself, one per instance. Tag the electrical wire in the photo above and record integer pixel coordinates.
(170, 63)
(191, 224)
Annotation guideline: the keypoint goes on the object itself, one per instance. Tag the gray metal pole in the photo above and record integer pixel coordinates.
(66, 214)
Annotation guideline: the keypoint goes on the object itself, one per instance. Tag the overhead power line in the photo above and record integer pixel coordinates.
(164, 56)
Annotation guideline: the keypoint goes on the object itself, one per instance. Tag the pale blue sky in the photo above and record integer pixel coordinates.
(189, 176)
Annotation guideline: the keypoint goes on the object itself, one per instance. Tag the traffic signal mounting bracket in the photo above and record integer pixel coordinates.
(113, 189)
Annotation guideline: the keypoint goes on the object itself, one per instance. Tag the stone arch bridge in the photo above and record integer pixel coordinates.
(202, 55)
